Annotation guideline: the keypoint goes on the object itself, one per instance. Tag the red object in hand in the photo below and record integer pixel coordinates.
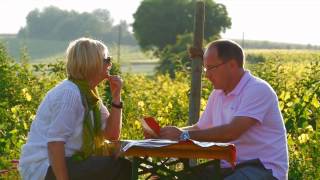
(151, 126)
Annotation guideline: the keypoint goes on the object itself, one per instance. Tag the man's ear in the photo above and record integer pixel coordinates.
(233, 63)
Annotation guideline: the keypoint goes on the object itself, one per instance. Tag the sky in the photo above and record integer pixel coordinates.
(292, 21)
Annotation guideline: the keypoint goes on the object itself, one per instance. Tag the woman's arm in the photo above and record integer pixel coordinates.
(114, 124)
(114, 121)
(57, 158)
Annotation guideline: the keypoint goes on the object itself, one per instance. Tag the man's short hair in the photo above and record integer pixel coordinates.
(227, 50)
(85, 58)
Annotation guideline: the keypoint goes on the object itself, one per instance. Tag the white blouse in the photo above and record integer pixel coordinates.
(58, 118)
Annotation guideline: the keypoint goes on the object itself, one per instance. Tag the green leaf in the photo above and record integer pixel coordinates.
(315, 102)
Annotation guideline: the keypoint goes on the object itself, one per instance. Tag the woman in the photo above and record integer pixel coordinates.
(71, 123)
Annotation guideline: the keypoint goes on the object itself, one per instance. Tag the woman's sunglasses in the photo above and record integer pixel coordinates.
(107, 60)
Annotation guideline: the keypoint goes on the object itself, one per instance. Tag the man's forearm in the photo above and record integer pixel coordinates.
(224, 133)
(191, 128)
(57, 160)
(217, 134)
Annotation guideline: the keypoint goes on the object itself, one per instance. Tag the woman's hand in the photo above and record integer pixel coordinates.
(116, 83)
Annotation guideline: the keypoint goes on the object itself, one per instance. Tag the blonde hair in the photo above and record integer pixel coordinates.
(85, 58)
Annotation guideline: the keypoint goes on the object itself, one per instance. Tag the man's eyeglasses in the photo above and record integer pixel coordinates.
(107, 60)
(213, 67)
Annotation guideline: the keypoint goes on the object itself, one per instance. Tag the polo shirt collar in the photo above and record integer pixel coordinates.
(242, 83)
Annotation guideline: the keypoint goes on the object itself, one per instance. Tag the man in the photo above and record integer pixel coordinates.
(242, 110)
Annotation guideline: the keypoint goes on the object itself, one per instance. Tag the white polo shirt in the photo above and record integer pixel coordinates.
(255, 98)
(59, 118)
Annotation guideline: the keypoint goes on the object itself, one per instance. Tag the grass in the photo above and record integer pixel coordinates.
(36, 49)
(132, 59)
(44, 51)
(140, 68)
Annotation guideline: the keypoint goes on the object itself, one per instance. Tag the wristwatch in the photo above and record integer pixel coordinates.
(184, 136)
(119, 106)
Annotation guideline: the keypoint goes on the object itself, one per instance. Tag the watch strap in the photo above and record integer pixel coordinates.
(119, 106)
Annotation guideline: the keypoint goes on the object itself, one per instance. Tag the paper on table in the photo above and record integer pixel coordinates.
(148, 143)
(153, 143)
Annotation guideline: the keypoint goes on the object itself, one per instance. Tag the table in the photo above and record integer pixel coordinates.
(140, 150)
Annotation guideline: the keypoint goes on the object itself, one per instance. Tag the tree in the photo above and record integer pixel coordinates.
(126, 36)
(103, 16)
(53, 23)
(158, 22)
(40, 24)
(175, 57)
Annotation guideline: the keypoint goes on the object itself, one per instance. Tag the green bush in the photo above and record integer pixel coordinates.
(22, 87)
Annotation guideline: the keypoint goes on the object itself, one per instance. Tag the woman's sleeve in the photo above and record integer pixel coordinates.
(104, 115)
(67, 114)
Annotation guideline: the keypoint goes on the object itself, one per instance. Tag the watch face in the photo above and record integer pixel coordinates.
(184, 135)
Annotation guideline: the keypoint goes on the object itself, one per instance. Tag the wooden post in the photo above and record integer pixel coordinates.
(194, 103)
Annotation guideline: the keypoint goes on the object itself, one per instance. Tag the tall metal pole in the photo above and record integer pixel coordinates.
(194, 103)
(119, 41)
(242, 40)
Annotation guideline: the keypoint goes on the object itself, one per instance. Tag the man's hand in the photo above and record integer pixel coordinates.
(148, 136)
(170, 132)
